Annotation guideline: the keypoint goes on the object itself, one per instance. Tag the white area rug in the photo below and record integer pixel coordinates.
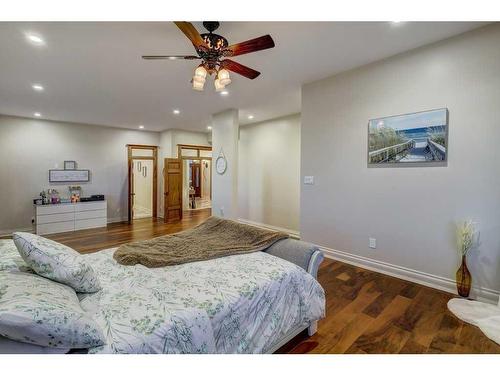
(483, 315)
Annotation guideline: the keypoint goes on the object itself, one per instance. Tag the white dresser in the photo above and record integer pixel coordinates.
(68, 217)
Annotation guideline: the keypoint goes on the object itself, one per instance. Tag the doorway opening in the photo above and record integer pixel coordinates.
(142, 182)
(187, 184)
(197, 176)
(197, 184)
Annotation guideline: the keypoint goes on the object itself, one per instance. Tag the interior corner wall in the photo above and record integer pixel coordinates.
(269, 172)
(225, 133)
(410, 211)
(30, 147)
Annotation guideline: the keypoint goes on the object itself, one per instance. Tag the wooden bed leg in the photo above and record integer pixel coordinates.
(313, 327)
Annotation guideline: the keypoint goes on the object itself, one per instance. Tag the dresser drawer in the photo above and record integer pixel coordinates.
(90, 206)
(54, 209)
(55, 218)
(90, 223)
(66, 226)
(90, 214)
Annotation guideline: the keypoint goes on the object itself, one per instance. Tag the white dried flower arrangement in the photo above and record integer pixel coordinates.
(467, 237)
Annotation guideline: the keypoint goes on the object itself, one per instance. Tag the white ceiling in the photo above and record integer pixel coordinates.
(93, 73)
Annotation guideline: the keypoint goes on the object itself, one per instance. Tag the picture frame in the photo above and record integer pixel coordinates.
(69, 165)
(69, 176)
(417, 138)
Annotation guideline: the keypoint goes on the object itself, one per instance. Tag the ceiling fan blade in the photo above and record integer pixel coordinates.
(252, 45)
(170, 57)
(245, 71)
(193, 35)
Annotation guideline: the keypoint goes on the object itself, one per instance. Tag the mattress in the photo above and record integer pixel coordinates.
(236, 304)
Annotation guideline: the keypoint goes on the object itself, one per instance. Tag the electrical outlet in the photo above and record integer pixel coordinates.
(372, 243)
(308, 180)
(32, 220)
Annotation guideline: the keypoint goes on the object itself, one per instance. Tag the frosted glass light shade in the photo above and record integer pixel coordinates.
(218, 86)
(200, 72)
(223, 77)
(198, 83)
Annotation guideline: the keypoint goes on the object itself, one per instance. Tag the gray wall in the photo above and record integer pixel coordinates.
(411, 211)
(225, 129)
(269, 172)
(29, 148)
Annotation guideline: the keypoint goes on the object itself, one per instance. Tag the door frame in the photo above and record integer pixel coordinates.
(198, 148)
(131, 158)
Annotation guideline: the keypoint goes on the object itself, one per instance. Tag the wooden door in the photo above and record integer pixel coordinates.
(196, 179)
(172, 190)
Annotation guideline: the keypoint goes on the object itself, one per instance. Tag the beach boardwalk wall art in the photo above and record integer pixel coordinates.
(412, 138)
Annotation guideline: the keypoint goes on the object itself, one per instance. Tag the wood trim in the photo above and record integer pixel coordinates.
(144, 157)
(142, 146)
(155, 182)
(194, 147)
(129, 183)
(195, 158)
(198, 148)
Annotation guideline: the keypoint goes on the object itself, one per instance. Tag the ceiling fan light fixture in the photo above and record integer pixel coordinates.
(200, 72)
(198, 83)
(218, 86)
(223, 77)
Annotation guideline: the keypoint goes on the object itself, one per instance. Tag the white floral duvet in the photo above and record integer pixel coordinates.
(236, 304)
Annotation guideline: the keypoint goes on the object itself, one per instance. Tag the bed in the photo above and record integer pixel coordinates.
(249, 303)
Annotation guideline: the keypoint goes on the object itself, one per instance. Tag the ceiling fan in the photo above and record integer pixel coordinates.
(212, 50)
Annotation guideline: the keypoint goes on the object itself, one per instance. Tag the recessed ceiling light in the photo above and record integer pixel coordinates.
(176, 111)
(250, 117)
(37, 87)
(209, 127)
(141, 126)
(35, 39)
(224, 93)
(37, 114)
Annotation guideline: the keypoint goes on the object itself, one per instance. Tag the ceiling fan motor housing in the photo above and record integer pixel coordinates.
(211, 25)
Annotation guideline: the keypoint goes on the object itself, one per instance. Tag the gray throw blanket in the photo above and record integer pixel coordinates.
(214, 238)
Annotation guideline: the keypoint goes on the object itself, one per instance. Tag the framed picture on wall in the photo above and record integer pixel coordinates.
(69, 165)
(420, 137)
(63, 175)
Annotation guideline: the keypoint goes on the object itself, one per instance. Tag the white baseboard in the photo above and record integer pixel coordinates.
(117, 219)
(8, 232)
(292, 233)
(418, 277)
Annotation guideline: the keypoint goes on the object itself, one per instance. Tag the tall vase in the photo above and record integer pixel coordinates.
(464, 279)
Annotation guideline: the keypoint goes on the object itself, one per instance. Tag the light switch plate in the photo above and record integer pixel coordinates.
(308, 180)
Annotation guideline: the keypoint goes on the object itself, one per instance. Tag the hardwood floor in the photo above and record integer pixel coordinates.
(367, 312)
(91, 240)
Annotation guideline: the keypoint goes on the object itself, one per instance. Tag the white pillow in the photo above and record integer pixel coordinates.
(38, 311)
(57, 262)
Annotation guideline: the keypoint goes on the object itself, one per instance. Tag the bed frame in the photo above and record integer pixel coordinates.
(306, 256)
